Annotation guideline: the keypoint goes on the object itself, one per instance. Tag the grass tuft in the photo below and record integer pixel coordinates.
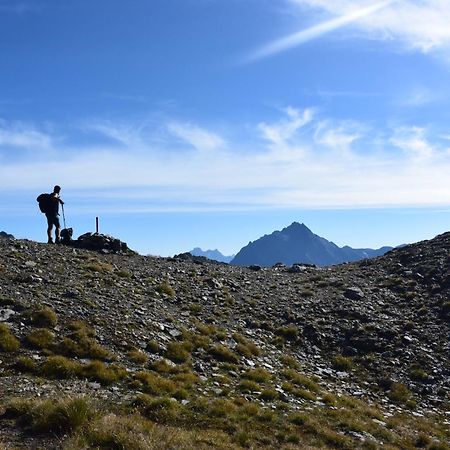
(8, 342)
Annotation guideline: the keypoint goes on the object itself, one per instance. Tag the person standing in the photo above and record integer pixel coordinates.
(52, 215)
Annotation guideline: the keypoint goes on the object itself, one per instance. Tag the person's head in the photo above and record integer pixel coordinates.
(57, 189)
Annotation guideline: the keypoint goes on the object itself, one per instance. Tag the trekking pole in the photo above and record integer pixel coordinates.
(64, 217)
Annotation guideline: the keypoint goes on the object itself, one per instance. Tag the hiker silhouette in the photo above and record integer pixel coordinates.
(49, 204)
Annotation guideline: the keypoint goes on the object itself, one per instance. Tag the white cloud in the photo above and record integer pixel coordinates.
(419, 24)
(200, 139)
(338, 137)
(303, 160)
(20, 135)
(413, 141)
(351, 15)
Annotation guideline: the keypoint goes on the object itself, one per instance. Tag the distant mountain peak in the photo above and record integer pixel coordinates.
(298, 244)
(215, 255)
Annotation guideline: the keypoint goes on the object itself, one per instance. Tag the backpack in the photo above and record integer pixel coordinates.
(45, 203)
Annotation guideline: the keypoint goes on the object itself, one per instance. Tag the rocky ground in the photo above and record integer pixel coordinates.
(289, 340)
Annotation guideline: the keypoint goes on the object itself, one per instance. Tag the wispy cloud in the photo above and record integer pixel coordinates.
(421, 25)
(195, 136)
(21, 135)
(419, 96)
(413, 141)
(301, 159)
(303, 36)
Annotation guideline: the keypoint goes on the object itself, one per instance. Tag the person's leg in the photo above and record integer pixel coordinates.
(57, 230)
(49, 230)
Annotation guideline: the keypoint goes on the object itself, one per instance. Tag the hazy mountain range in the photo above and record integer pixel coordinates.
(215, 255)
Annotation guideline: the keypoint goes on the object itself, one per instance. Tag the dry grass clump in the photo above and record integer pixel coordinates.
(166, 289)
(300, 380)
(8, 342)
(343, 363)
(44, 317)
(269, 395)
(258, 374)
(153, 346)
(290, 362)
(137, 356)
(224, 354)
(80, 343)
(101, 372)
(298, 392)
(60, 367)
(98, 267)
(248, 386)
(289, 333)
(399, 393)
(154, 384)
(246, 347)
(40, 338)
(177, 352)
(161, 409)
(25, 364)
(50, 416)
(136, 433)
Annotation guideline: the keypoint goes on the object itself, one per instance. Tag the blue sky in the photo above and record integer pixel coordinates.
(185, 123)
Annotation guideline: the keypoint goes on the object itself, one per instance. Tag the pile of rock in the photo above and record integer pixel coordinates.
(101, 243)
(4, 235)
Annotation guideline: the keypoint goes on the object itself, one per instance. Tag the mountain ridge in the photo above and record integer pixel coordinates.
(298, 244)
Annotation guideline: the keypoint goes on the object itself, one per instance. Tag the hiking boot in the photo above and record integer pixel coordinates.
(57, 241)
(50, 241)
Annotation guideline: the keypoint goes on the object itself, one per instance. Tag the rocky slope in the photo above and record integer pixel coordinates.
(350, 356)
(298, 244)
